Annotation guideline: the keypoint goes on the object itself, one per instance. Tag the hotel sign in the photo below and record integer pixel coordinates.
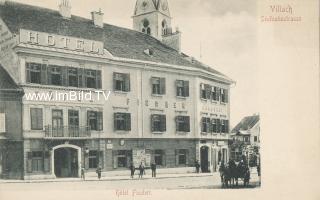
(61, 42)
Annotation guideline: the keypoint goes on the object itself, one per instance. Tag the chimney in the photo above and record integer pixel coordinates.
(97, 18)
(65, 9)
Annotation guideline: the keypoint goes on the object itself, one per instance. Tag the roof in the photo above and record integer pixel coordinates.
(6, 82)
(246, 124)
(120, 42)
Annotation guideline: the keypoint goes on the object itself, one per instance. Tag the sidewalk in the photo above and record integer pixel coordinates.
(111, 178)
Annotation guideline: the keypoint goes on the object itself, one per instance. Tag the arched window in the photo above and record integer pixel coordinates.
(164, 27)
(146, 28)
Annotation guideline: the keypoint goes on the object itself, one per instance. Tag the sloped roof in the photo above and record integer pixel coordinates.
(6, 82)
(120, 42)
(246, 124)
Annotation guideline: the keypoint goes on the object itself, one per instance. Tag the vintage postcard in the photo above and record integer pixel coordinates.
(154, 99)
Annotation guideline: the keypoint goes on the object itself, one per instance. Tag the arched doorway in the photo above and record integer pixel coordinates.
(204, 159)
(66, 161)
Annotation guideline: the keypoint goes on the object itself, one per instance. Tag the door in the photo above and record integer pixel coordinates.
(204, 159)
(57, 123)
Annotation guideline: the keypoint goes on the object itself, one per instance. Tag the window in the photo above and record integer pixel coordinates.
(216, 125)
(2, 122)
(158, 123)
(246, 139)
(33, 73)
(95, 120)
(73, 123)
(205, 125)
(215, 95)
(121, 82)
(205, 91)
(255, 138)
(57, 123)
(93, 159)
(164, 27)
(91, 78)
(182, 88)
(181, 156)
(37, 161)
(158, 85)
(224, 95)
(122, 121)
(122, 158)
(224, 126)
(36, 119)
(55, 73)
(73, 77)
(146, 28)
(183, 124)
(159, 157)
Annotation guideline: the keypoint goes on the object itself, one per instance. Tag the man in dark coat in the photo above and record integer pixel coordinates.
(132, 169)
(98, 171)
(197, 165)
(141, 170)
(153, 168)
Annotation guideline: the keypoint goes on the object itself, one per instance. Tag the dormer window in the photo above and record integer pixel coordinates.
(146, 29)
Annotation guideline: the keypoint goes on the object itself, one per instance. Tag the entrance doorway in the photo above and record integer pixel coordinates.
(66, 163)
(204, 156)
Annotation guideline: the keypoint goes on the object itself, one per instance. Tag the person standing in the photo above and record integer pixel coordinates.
(153, 168)
(132, 169)
(197, 165)
(83, 174)
(141, 170)
(98, 171)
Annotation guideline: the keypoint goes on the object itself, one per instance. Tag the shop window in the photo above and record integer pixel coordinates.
(33, 72)
(36, 118)
(93, 159)
(121, 82)
(95, 120)
(183, 123)
(158, 86)
(122, 121)
(158, 123)
(122, 158)
(205, 125)
(73, 77)
(182, 88)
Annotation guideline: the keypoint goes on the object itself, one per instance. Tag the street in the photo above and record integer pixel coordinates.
(197, 182)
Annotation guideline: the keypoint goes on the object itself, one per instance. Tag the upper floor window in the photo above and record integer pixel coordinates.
(146, 29)
(182, 88)
(158, 85)
(158, 123)
(215, 125)
(215, 95)
(121, 82)
(91, 78)
(205, 125)
(95, 120)
(205, 91)
(33, 73)
(183, 123)
(73, 77)
(224, 126)
(36, 116)
(122, 121)
(224, 95)
(55, 73)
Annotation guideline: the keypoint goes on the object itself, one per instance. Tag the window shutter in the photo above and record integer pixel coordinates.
(127, 82)
(40, 118)
(81, 78)
(44, 74)
(218, 126)
(128, 121)
(217, 94)
(115, 124)
(99, 82)
(115, 159)
(177, 125)
(163, 85)
(28, 72)
(226, 96)
(64, 71)
(177, 90)
(163, 123)
(152, 124)
(100, 121)
(202, 124)
(46, 161)
(227, 126)
(177, 156)
(186, 88)
(49, 74)
(88, 119)
(114, 81)
(187, 121)
(208, 91)
(101, 159)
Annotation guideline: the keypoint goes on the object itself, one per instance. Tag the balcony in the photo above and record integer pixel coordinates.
(67, 132)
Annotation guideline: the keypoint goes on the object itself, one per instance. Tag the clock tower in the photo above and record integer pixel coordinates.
(152, 17)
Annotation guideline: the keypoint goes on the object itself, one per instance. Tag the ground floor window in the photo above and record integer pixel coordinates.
(122, 158)
(93, 159)
(36, 159)
(182, 157)
(159, 157)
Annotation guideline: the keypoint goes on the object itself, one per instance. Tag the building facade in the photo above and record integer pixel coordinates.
(102, 95)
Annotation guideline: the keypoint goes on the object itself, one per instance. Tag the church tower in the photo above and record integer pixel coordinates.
(152, 17)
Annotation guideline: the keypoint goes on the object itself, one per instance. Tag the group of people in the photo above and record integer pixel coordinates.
(142, 170)
(231, 172)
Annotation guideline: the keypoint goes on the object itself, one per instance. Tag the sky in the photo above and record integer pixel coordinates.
(222, 32)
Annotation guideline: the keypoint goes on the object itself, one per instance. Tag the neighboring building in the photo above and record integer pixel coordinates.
(247, 134)
(11, 143)
(164, 106)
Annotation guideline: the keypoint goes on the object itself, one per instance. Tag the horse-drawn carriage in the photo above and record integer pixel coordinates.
(232, 172)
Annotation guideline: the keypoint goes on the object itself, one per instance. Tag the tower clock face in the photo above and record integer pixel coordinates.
(164, 5)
